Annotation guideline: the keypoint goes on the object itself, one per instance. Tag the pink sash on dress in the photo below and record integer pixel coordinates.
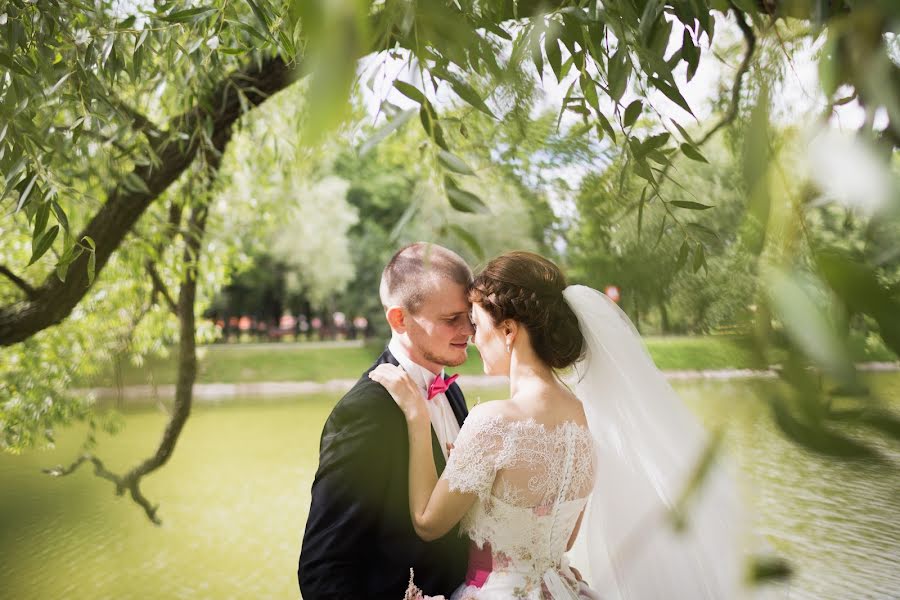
(480, 564)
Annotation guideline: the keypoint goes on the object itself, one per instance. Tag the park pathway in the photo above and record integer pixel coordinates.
(219, 392)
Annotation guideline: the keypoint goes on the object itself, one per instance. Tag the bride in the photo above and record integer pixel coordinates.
(616, 445)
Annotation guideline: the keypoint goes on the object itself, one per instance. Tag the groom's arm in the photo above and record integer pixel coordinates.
(348, 494)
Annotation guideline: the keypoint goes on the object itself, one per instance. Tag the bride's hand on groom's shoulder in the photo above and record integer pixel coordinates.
(403, 390)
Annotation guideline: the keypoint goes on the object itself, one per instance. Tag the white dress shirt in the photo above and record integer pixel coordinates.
(443, 421)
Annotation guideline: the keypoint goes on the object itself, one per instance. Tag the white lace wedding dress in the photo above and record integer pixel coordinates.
(532, 484)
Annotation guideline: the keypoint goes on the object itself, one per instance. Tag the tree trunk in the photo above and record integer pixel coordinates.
(54, 300)
(664, 317)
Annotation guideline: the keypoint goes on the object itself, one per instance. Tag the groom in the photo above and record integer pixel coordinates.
(359, 541)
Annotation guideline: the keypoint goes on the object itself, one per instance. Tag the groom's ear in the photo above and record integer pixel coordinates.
(396, 318)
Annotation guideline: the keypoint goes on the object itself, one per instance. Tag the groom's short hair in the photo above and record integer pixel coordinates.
(417, 269)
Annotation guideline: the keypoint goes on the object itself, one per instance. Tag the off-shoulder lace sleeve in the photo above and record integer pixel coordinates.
(475, 457)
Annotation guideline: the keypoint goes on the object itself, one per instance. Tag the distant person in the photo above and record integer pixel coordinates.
(303, 327)
(340, 324)
(287, 325)
(360, 325)
(261, 330)
(245, 326)
(231, 328)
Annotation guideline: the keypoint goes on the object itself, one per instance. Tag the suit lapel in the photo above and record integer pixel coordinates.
(386, 357)
(457, 403)
(439, 461)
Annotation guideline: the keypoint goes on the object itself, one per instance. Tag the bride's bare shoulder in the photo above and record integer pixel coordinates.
(492, 408)
(553, 404)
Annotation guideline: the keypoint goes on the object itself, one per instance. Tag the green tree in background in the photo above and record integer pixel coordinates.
(401, 203)
(694, 280)
(369, 200)
(70, 63)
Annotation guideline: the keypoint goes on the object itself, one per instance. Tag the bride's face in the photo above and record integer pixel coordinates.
(490, 341)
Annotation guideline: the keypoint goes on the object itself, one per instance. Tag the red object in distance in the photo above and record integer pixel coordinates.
(613, 293)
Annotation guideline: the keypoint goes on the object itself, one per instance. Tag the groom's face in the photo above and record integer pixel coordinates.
(439, 331)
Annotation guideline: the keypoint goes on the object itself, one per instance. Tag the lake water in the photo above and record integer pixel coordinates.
(234, 501)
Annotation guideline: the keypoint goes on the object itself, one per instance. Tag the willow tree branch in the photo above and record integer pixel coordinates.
(122, 482)
(805, 11)
(139, 121)
(734, 107)
(54, 300)
(890, 135)
(187, 351)
(187, 375)
(20, 283)
(159, 287)
(187, 345)
(106, 140)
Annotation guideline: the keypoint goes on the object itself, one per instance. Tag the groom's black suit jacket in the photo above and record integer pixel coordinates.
(359, 541)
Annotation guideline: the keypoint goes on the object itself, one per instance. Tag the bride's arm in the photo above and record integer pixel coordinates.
(433, 508)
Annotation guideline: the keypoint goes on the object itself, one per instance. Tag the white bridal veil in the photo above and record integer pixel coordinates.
(649, 444)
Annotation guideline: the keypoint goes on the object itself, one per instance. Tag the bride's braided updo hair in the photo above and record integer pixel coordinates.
(527, 288)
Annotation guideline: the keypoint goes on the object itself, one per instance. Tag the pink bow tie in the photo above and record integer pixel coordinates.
(440, 385)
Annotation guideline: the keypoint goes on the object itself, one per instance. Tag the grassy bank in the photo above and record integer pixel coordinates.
(236, 363)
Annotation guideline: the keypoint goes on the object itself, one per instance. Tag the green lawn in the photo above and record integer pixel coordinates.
(234, 363)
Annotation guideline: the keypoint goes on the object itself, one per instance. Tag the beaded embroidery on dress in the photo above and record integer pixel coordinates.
(532, 483)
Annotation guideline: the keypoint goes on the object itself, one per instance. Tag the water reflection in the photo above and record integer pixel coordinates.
(838, 523)
(234, 501)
